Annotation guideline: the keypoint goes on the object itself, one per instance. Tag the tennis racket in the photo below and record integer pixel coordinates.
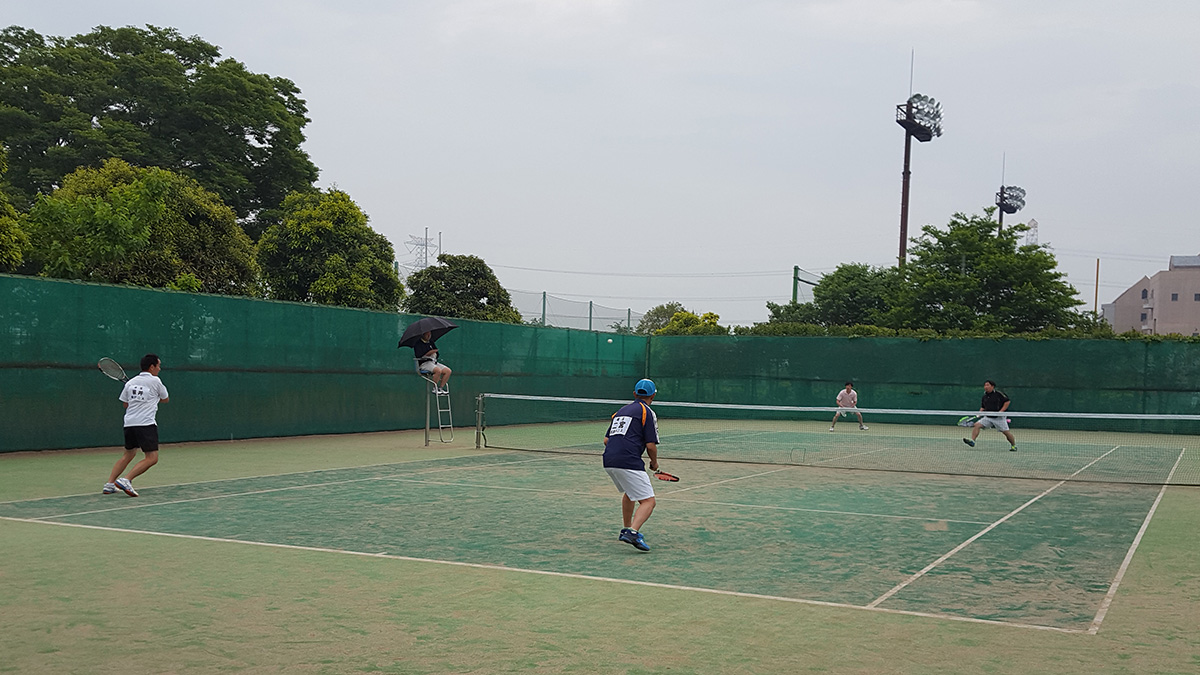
(663, 475)
(112, 369)
(969, 420)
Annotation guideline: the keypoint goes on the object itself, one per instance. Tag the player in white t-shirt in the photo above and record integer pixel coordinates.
(141, 397)
(848, 399)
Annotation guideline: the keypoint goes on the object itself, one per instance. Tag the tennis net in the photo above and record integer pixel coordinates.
(1101, 447)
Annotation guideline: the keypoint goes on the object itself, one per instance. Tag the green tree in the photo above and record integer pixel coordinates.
(460, 286)
(324, 251)
(150, 227)
(793, 312)
(657, 317)
(154, 98)
(855, 294)
(13, 240)
(971, 276)
(687, 323)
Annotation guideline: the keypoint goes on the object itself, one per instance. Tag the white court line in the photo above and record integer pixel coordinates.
(282, 489)
(829, 511)
(567, 575)
(728, 480)
(406, 479)
(401, 479)
(269, 475)
(857, 454)
(1112, 590)
(899, 587)
(667, 497)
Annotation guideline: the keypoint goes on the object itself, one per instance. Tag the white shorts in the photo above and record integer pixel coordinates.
(847, 411)
(429, 366)
(997, 423)
(634, 484)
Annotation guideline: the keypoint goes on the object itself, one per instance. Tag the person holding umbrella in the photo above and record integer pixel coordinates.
(421, 336)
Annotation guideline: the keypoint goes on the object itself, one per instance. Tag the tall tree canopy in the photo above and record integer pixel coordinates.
(855, 293)
(13, 239)
(324, 251)
(973, 276)
(151, 227)
(970, 276)
(657, 317)
(687, 323)
(793, 312)
(154, 98)
(460, 286)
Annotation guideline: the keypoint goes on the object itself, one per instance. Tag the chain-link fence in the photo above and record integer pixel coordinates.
(550, 310)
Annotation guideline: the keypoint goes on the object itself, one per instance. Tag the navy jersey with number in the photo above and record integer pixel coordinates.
(631, 428)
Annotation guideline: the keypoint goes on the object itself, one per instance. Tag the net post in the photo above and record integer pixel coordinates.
(479, 421)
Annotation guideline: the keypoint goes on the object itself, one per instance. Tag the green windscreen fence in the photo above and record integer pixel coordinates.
(1095, 376)
(242, 368)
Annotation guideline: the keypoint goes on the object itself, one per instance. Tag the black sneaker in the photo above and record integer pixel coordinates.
(969, 442)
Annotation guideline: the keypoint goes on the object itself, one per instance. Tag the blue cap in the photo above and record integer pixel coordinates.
(644, 388)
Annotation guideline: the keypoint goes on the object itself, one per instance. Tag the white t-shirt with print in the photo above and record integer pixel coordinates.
(142, 393)
(847, 399)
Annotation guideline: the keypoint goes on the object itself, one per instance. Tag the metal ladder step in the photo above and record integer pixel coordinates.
(445, 416)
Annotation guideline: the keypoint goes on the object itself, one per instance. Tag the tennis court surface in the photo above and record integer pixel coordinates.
(1033, 553)
(371, 553)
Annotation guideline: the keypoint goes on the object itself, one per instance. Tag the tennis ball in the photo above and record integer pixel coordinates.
(610, 340)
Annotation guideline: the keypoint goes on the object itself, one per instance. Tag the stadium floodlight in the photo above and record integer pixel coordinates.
(921, 117)
(1010, 199)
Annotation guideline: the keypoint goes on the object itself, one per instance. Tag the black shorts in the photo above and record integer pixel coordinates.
(145, 438)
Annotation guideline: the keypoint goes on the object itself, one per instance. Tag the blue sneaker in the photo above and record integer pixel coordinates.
(635, 538)
(969, 442)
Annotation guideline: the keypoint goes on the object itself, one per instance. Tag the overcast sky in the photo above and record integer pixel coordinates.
(717, 144)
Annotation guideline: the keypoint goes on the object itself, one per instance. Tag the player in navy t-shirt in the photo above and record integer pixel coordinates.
(632, 431)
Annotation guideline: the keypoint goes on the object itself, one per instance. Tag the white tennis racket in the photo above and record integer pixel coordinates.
(112, 369)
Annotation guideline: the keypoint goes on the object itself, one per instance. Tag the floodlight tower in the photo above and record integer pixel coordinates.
(1010, 199)
(921, 117)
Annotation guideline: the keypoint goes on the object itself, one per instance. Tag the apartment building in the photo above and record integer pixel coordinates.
(1168, 302)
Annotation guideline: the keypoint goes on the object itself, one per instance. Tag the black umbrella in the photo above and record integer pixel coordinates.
(430, 324)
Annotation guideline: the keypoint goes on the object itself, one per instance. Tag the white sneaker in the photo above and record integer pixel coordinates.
(126, 487)
(862, 427)
(109, 488)
(831, 428)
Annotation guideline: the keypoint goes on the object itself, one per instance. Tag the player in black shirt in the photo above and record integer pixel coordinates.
(994, 400)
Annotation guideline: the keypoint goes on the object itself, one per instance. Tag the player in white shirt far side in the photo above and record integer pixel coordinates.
(847, 398)
(141, 397)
